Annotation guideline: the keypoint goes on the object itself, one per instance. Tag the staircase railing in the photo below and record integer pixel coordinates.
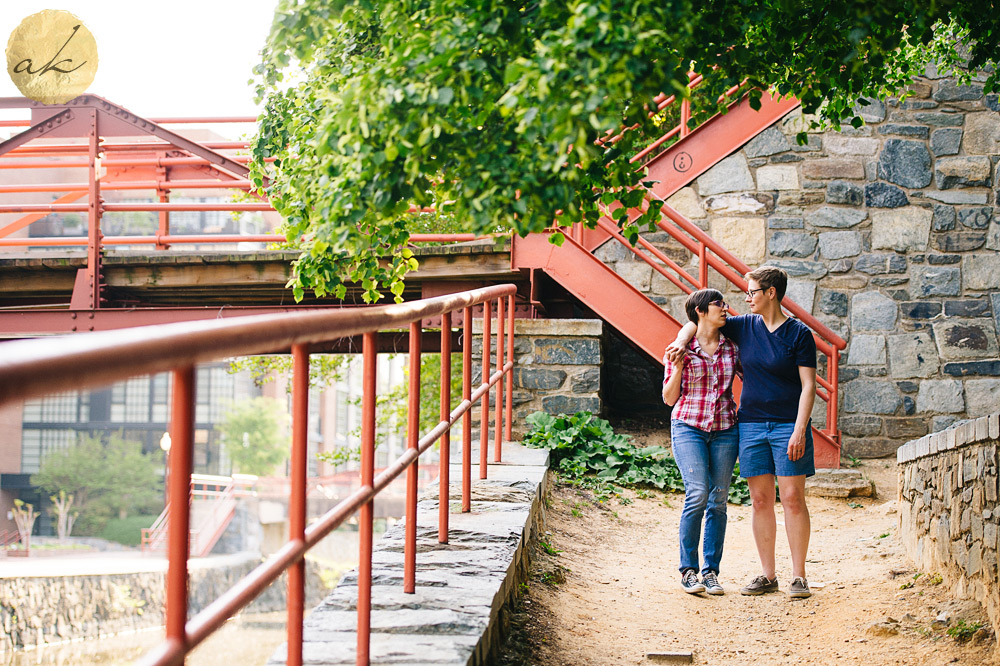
(34, 368)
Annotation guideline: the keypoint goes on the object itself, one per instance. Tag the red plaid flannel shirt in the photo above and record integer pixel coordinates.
(706, 400)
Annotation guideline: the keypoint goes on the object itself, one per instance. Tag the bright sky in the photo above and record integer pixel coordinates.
(168, 58)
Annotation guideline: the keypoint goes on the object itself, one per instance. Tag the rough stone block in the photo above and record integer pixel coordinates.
(730, 175)
(777, 178)
(982, 396)
(940, 119)
(872, 112)
(974, 196)
(843, 192)
(881, 264)
(918, 131)
(968, 307)
(828, 169)
(944, 218)
(785, 223)
(833, 303)
(860, 425)
(840, 244)
(838, 144)
(740, 203)
(564, 404)
(568, 351)
(687, 203)
(994, 420)
(912, 355)
(937, 281)
(791, 244)
(637, 273)
(972, 368)
(802, 293)
(959, 241)
(976, 218)
(769, 142)
(866, 396)
(906, 163)
(982, 134)
(950, 172)
(743, 236)
(946, 141)
(948, 90)
(866, 350)
(538, 378)
(941, 395)
(884, 195)
(981, 272)
(836, 218)
(871, 311)
(902, 229)
(813, 270)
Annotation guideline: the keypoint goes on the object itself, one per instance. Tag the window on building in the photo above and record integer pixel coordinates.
(38, 443)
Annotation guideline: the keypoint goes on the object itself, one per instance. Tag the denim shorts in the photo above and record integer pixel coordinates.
(764, 450)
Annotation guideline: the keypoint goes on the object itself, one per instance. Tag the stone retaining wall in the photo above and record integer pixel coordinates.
(39, 610)
(557, 367)
(949, 514)
(890, 235)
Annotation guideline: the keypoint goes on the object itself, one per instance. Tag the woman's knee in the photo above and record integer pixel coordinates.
(793, 500)
(696, 497)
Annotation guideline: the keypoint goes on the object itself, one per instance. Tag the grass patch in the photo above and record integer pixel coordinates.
(128, 531)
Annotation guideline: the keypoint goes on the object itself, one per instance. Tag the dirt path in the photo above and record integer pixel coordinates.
(612, 595)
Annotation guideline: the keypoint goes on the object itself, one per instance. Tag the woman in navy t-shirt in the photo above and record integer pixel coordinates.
(779, 371)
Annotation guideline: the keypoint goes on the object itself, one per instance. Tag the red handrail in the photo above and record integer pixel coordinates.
(34, 368)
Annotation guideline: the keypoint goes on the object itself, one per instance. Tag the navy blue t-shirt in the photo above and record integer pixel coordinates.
(771, 383)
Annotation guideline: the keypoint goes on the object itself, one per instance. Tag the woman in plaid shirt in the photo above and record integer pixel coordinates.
(704, 437)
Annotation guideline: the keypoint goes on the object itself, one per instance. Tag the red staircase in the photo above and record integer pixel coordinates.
(213, 506)
(574, 266)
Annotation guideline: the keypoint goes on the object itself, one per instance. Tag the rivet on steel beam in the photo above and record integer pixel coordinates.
(73, 329)
(90, 316)
(72, 316)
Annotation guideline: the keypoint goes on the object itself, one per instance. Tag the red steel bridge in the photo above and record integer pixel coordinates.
(202, 287)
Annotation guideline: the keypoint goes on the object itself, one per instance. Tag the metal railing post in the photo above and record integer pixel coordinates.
(484, 421)
(412, 437)
(467, 416)
(367, 513)
(510, 375)
(297, 501)
(498, 428)
(833, 375)
(179, 498)
(444, 496)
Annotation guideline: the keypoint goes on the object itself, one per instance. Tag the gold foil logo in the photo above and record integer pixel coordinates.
(52, 57)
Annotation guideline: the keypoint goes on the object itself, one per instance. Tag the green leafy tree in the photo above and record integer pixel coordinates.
(493, 112)
(105, 479)
(255, 434)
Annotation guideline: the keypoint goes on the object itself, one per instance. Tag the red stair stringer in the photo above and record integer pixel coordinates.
(624, 307)
(605, 292)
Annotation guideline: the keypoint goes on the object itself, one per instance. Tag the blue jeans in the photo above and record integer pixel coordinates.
(706, 461)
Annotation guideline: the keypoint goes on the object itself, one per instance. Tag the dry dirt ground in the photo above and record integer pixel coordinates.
(604, 590)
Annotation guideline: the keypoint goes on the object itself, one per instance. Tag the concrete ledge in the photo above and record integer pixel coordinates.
(462, 586)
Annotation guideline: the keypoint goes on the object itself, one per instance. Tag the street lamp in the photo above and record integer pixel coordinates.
(165, 447)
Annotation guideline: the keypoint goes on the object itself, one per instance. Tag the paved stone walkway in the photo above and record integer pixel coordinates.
(461, 585)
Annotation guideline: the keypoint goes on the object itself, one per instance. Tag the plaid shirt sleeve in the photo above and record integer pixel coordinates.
(706, 400)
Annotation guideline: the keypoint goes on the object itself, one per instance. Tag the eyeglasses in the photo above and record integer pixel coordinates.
(750, 292)
(721, 304)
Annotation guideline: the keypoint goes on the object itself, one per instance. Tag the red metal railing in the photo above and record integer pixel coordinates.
(37, 367)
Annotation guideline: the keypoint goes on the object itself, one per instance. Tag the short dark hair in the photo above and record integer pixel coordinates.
(699, 300)
(770, 276)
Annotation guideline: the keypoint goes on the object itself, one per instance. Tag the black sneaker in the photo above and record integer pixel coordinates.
(689, 581)
(711, 583)
(760, 585)
(799, 589)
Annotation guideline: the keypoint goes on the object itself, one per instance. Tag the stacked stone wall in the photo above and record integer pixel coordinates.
(45, 610)
(890, 234)
(949, 513)
(557, 367)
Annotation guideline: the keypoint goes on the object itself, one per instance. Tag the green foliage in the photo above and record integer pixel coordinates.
(587, 452)
(548, 548)
(492, 112)
(324, 369)
(391, 407)
(255, 433)
(126, 531)
(963, 631)
(106, 478)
